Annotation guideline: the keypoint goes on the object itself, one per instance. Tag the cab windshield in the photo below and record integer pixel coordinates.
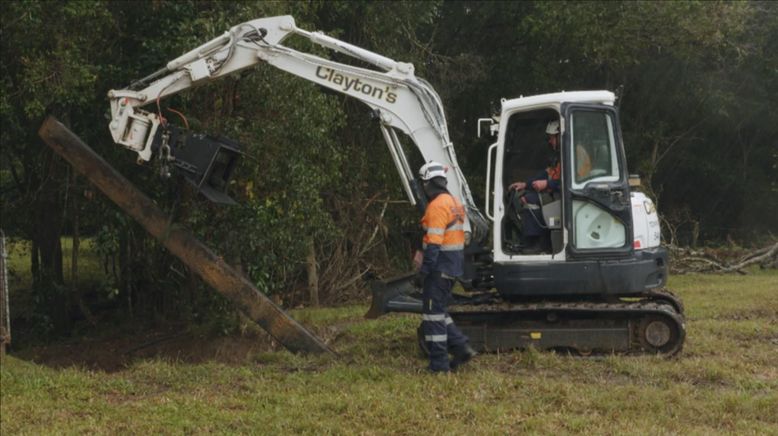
(593, 148)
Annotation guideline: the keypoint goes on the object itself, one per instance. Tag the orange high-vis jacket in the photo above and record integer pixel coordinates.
(444, 238)
(583, 168)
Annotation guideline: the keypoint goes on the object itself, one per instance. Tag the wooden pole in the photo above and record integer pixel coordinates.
(199, 258)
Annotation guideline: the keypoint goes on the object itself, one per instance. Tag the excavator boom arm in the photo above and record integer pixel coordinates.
(400, 100)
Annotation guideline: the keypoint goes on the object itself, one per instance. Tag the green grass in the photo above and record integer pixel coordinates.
(725, 381)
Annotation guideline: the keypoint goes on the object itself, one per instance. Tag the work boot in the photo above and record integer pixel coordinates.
(462, 355)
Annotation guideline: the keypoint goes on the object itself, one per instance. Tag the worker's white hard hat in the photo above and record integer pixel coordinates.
(552, 128)
(431, 170)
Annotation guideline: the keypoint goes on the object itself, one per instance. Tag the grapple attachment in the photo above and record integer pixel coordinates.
(207, 162)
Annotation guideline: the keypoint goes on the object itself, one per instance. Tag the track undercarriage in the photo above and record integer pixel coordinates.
(644, 326)
(652, 323)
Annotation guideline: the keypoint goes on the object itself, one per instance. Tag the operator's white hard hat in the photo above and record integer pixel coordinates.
(552, 128)
(431, 170)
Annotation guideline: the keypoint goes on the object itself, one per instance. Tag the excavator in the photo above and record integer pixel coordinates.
(598, 286)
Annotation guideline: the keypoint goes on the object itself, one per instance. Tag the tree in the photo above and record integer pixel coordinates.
(54, 47)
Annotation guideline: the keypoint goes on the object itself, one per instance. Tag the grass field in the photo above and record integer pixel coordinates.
(725, 381)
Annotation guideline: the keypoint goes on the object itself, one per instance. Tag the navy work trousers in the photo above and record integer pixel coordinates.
(440, 333)
(532, 219)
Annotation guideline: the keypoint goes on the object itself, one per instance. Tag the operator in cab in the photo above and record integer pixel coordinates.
(535, 238)
(442, 264)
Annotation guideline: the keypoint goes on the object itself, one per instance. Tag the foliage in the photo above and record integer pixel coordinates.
(696, 80)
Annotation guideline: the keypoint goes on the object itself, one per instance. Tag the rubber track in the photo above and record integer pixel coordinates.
(634, 311)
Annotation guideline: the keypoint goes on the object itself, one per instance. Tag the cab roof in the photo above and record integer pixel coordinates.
(557, 98)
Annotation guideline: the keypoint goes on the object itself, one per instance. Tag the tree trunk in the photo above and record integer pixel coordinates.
(48, 224)
(35, 263)
(5, 322)
(695, 233)
(74, 250)
(127, 272)
(313, 275)
(48, 217)
(75, 290)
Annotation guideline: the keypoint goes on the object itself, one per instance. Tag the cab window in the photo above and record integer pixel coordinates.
(593, 148)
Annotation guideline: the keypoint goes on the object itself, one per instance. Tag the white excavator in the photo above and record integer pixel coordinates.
(596, 286)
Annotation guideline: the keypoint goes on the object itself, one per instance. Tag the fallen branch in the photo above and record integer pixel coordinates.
(755, 253)
(686, 260)
(772, 252)
(706, 260)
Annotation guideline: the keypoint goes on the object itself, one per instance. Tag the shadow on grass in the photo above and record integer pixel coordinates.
(118, 349)
(113, 348)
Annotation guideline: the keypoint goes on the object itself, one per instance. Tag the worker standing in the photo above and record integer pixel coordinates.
(442, 263)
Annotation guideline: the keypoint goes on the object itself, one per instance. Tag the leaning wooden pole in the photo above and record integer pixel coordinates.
(181, 243)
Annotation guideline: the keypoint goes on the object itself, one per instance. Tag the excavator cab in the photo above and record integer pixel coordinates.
(587, 223)
(588, 213)
(592, 159)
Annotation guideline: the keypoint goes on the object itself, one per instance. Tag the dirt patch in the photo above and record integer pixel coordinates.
(112, 353)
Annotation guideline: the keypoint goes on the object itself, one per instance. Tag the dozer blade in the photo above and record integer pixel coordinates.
(394, 295)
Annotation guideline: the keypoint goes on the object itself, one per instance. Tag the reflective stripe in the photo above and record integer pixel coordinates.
(452, 247)
(457, 219)
(435, 231)
(436, 338)
(433, 317)
(456, 227)
(449, 320)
